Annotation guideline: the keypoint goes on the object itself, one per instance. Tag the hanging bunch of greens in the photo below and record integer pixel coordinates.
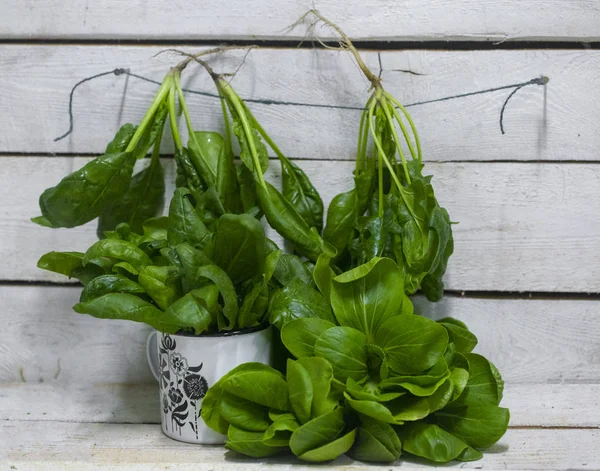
(297, 212)
(392, 210)
(208, 266)
(372, 380)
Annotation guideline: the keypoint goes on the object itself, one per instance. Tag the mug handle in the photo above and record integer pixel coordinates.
(152, 353)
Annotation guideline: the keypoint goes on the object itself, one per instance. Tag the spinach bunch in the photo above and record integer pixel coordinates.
(207, 265)
(297, 212)
(392, 210)
(373, 381)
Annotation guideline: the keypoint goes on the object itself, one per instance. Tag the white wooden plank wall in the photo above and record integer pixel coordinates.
(75, 392)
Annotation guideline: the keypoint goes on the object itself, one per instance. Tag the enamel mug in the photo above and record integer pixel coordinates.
(187, 365)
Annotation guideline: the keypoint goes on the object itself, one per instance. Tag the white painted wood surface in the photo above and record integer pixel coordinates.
(530, 341)
(487, 20)
(531, 405)
(522, 226)
(76, 446)
(556, 122)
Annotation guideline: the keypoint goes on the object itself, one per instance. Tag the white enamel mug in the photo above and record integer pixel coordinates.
(187, 365)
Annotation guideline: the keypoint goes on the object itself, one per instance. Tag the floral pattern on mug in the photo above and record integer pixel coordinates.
(181, 387)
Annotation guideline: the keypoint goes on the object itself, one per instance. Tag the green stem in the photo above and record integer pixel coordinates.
(410, 121)
(159, 99)
(360, 145)
(380, 155)
(265, 136)
(188, 122)
(390, 120)
(404, 131)
(173, 119)
(379, 147)
(228, 147)
(234, 102)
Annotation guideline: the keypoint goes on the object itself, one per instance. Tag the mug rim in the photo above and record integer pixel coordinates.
(225, 333)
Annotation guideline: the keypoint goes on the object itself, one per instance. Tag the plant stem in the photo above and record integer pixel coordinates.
(159, 99)
(410, 121)
(173, 118)
(188, 122)
(228, 146)
(235, 104)
(384, 105)
(380, 154)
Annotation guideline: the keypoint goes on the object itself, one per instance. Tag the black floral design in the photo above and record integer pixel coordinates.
(178, 364)
(181, 386)
(195, 386)
(175, 395)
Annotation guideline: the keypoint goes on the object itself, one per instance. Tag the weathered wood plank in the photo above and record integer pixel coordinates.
(488, 20)
(533, 405)
(43, 340)
(558, 122)
(68, 446)
(523, 227)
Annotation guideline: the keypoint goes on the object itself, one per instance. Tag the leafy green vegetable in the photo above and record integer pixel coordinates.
(479, 426)
(412, 343)
(105, 284)
(185, 224)
(368, 295)
(296, 301)
(300, 192)
(81, 196)
(240, 247)
(431, 442)
(267, 387)
(128, 307)
(300, 335)
(161, 284)
(117, 249)
(346, 350)
(376, 441)
(71, 265)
